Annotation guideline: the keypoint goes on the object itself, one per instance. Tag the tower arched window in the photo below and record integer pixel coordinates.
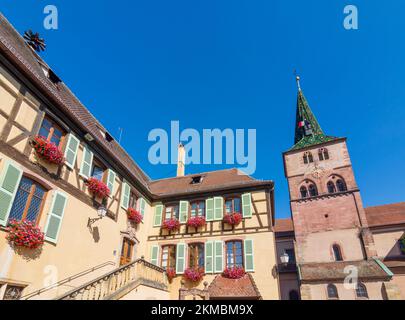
(361, 291)
(337, 253)
(308, 158)
(332, 292)
(313, 192)
(341, 185)
(331, 187)
(304, 192)
(323, 154)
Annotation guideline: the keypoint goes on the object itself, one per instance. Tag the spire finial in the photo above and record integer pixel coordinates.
(297, 78)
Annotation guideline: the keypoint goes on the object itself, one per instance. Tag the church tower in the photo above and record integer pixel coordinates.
(327, 211)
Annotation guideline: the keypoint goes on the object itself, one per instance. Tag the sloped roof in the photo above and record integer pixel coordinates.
(221, 179)
(14, 47)
(367, 269)
(244, 287)
(386, 215)
(284, 225)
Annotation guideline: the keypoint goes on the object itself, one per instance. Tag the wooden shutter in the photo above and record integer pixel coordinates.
(183, 211)
(157, 221)
(218, 208)
(209, 209)
(180, 258)
(71, 150)
(111, 181)
(218, 256)
(142, 206)
(154, 255)
(248, 255)
(209, 257)
(55, 216)
(247, 205)
(9, 181)
(87, 162)
(126, 191)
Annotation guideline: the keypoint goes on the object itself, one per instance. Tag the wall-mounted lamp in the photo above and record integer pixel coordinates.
(284, 258)
(101, 212)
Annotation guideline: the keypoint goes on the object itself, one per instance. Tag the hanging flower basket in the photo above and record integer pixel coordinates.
(97, 188)
(47, 150)
(194, 274)
(196, 222)
(234, 272)
(25, 234)
(171, 225)
(134, 216)
(233, 218)
(171, 274)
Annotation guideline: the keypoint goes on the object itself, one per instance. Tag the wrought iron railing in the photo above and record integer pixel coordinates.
(118, 282)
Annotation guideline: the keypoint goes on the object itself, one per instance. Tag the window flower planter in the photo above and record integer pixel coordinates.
(196, 222)
(234, 272)
(97, 188)
(47, 151)
(134, 216)
(233, 218)
(171, 274)
(171, 225)
(25, 234)
(194, 274)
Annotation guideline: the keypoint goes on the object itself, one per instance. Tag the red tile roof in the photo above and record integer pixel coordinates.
(244, 287)
(284, 225)
(385, 215)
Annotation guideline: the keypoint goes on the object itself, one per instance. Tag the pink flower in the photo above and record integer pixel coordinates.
(97, 187)
(234, 272)
(47, 150)
(172, 224)
(233, 218)
(134, 215)
(196, 222)
(25, 234)
(194, 274)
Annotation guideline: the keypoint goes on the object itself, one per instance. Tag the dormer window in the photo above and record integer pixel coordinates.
(108, 137)
(196, 179)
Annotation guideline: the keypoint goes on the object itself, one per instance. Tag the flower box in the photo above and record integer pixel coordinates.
(171, 274)
(25, 234)
(234, 272)
(196, 222)
(134, 216)
(97, 188)
(233, 218)
(194, 274)
(171, 224)
(47, 150)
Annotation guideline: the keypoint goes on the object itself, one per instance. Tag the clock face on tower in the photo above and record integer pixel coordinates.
(316, 171)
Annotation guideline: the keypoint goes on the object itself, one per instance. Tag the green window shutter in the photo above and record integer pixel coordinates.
(71, 150)
(209, 257)
(218, 208)
(55, 216)
(183, 211)
(142, 206)
(154, 255)
(157, 221)
(247, 205)
(180, 258)
(248, 252)
(87, 162)
(9, 181)
(209, 209)
(126, 190)
(111, 181)
(218, 256)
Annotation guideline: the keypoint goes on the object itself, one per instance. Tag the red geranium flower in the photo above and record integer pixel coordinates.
(172, 224)
(196, 222)
(194, 274)
(233, 218)
(171, 273)
(234, 272)
(97, 187)
(134, 215)
(25, 234)
(47, 150)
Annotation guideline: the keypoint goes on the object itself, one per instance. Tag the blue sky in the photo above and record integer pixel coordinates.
(229, 64)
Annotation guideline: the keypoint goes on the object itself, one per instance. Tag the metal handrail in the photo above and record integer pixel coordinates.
(66, 280)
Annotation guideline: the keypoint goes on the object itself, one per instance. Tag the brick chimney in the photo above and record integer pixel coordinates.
(181, 161)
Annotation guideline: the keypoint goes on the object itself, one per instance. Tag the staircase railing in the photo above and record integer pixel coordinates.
(118, 282)
(66, 280)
